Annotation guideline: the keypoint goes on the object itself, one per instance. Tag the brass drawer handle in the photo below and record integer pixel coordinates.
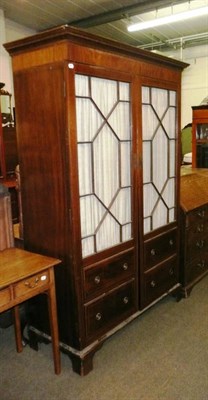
(152, 284)
(153, 252)
(125, 300)
(125, 266)
(171, 242)
(97, 279)
(98, 316)
(171, 271)
(32, 285)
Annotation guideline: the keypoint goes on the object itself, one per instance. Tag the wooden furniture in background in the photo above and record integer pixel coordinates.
(99, 162)
(8, 150)
(24, 275)
(194, 228)
(200, 136)
(6, 227)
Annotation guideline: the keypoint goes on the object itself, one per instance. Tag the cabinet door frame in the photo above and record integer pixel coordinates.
(177, 88)
(71, 70)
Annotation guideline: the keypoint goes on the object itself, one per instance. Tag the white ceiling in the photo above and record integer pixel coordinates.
(109, 18)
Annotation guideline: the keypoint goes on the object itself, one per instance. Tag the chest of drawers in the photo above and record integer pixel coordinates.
(194, 229)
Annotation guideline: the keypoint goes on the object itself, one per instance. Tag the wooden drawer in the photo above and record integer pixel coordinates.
(24, 286)
(5, 297)
(195, 269)
(158, 249)
(196, 245)
(197, 216)
(102, 276)
(110, 309)
(159, 280)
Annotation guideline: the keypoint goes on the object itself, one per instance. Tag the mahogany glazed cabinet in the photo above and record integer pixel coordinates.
(97, 126)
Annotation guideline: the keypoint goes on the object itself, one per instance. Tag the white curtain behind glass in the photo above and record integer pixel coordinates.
(104, 153)
(159, 141)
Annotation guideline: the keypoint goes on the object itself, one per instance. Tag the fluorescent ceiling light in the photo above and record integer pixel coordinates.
(169, 19)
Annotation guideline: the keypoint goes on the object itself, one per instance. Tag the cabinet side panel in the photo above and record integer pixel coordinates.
(41, 131)
(40, 128)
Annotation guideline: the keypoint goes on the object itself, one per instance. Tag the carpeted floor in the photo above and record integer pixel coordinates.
(163, 355)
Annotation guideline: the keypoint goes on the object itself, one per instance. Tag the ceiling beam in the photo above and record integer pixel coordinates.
(141, 7)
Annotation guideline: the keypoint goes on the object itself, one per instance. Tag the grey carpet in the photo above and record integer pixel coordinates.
(162, 355)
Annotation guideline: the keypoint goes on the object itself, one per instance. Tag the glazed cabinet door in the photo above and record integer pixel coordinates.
(104, 147)
(159, 136)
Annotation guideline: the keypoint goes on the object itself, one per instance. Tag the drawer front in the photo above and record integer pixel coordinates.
(106, 312)
(34, 282)
(159, 280)
(198, 216)
(196, 245)
(98, 278)
(196, 269)
(158, 249)
(5, 297)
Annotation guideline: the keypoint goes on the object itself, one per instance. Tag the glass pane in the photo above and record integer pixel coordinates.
(119, 121)
(147, 162)
(160, 157)
(82, 85)
(91, 212)
(88, 246)
(125, 148)
(169, 123)
(104, 94)
(159, 145)
(108, 234)
(87, 112)
(124, 91)
(85, 164)
(121, 207)
(160, 216)
(172, 166)
(104, 160)
(145, 95)
(149, 122)
(172, 98)
(151, 197)
(159, 101)
(169, 193)
(126, 232)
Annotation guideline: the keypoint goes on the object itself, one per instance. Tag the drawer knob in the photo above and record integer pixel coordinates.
(32, 285)
(201, 214)
(97, 279)
(171, 242)
(125, 300)
(200, 244)
(98, 316)
(200, 228)
(153, 252)
(201, 264)
(125, 266)
(171, 271)
(152, 284)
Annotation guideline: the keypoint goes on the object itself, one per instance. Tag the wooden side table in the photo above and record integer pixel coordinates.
(24, 275)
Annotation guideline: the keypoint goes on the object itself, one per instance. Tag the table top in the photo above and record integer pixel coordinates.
(17, 264)
(194, 189)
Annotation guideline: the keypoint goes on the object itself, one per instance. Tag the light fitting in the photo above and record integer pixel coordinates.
(169, 19)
